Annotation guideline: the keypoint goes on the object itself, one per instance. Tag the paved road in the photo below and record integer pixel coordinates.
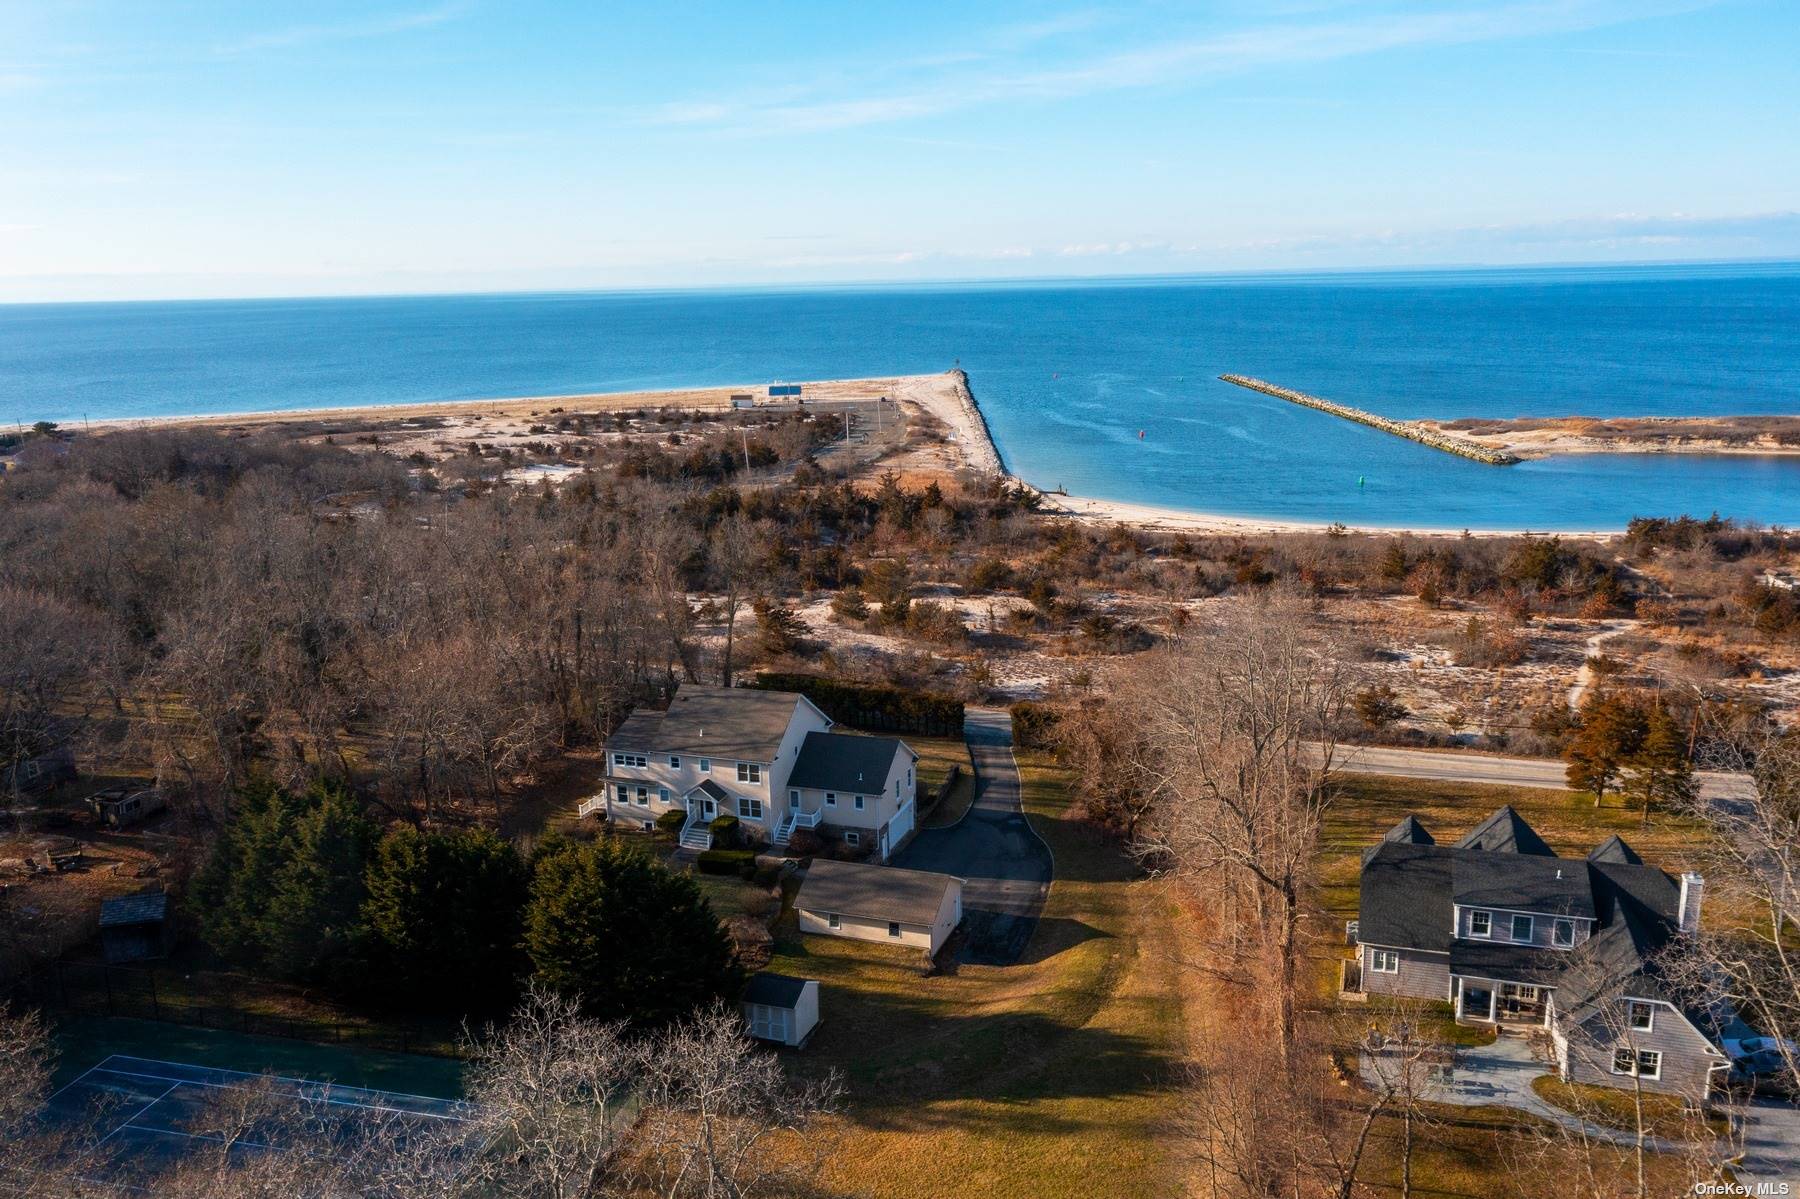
(1463, 767)
(1005, 865)
(1771, 1131)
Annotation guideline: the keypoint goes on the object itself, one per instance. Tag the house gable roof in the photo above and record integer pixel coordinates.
(1506, 832)
(1614, 849)
(1522, 883)
(874, 892)
(1408, 832)
(735, 723)
(1405, 897)
(845, 762)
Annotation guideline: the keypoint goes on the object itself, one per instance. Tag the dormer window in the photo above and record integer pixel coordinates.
(1641, 1016)
(1521, 928)
(1481, 924)
(1563, 933)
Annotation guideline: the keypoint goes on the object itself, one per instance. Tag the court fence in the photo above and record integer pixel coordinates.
(213, 999)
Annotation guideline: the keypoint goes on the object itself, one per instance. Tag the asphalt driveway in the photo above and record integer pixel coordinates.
(1005, 865)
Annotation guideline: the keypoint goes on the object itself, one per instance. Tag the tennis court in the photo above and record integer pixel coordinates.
(142, 1115)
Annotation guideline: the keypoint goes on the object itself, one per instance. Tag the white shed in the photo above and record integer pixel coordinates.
(780, 1008)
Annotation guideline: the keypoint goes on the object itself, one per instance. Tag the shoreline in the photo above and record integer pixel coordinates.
(946, 397)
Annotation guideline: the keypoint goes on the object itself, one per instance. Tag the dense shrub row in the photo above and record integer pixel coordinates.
(873, 706)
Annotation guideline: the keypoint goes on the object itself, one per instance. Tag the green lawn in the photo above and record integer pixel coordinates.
(1052, 1077)
(85, 1041)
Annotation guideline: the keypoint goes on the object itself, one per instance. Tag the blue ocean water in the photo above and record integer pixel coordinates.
(1067, 373)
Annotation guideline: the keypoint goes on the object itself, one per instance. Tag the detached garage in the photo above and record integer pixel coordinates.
(780, 1008)
(879, 903)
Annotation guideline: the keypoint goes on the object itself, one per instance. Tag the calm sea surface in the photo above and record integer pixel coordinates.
(1068, 374)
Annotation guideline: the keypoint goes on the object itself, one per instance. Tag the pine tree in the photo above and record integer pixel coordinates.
(628, 937)
(443, 914)
(313, 921)
(1610, 732)
(1659, 772)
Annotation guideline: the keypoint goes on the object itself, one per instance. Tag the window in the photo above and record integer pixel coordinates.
(896, 788)
(649, 826)
(624, 793)
(1624, 1060)
(1521, 928)
(630, 760)
(662, 794)
(1384, 961)
(859, 803)
(1649, 1063)
(1642, 1016)
(674, 762)
(750, 809)
(831, 799)
(749, 772)
(909, 776)
(793, 797)
(1518, 991)
(1481, 924)
(643, 796)
(852, 838)
(1645, 1063)
(1563, 932)
(832, 920)
(893, 928)
(705, 765)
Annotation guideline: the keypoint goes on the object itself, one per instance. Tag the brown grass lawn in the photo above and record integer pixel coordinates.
(1465, 1153)
(936, 756)
(1051, 1077)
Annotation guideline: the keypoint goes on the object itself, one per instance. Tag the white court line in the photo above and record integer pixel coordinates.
(240, 1073)
(222, 1086)
(195, 1136)
(140, 1111)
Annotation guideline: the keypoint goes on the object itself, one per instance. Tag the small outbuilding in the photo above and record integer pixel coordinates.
(122, 807)
(780, 1008)
(879, 903)
(135, 928)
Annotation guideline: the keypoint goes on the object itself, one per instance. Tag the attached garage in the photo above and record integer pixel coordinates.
(780, 1008)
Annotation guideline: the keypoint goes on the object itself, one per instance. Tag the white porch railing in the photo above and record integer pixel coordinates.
(590, 806)
(784, 832)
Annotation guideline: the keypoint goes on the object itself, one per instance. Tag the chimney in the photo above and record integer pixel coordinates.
(1693, 887)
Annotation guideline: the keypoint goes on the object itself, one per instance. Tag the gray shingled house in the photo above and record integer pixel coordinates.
(771, 759)
(1513, 935)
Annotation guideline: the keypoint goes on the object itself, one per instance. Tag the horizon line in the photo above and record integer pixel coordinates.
(1249, 274)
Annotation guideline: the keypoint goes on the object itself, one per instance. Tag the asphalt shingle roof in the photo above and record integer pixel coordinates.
(1405, 899)
(742, 724)
(844, 762)
(1506, 832)
(873, 892)
(134, 909)
(1521, 882)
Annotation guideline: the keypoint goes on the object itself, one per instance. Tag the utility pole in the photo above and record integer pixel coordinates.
(746, 433)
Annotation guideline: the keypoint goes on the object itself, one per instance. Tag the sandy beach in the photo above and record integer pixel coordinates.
(946, 399)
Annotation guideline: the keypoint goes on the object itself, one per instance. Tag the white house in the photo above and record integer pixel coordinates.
(879, 903)
(767, 757)
(779, 1008)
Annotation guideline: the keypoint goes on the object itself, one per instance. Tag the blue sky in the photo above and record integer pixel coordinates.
(202, 149)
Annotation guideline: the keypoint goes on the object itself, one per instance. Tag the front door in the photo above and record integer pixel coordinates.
(706, 807)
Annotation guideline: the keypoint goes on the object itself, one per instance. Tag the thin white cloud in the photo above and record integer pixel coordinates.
(369, 27)
(1172, 61)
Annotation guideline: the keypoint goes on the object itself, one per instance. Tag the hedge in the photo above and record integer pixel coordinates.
(728, 861)
(874, 707)
(671, 820)
(724, 829)
(1033, 725)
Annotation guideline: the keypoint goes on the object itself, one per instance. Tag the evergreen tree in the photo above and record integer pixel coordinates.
(1610, 732)
(313, 924)
(628, 937)
(283, 888)
(1659, 772)
(443, 916)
